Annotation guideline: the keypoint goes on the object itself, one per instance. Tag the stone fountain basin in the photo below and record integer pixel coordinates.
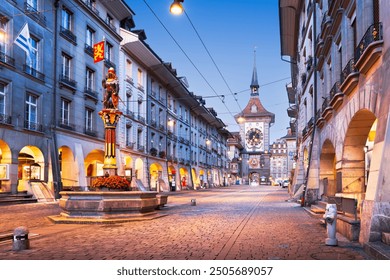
(107, 206)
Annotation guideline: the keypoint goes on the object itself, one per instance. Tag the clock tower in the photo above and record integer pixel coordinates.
(255, 122)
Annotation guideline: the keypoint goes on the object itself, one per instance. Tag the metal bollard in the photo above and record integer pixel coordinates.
(193, 202)
(20, 239)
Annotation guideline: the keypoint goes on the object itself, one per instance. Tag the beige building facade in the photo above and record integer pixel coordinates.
(338, 52)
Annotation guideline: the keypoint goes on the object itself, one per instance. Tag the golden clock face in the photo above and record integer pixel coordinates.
(254, 137)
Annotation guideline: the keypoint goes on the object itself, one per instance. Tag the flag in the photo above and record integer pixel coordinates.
(23, 41)
(98, 52)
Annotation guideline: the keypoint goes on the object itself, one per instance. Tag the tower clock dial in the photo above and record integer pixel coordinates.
(254, 135)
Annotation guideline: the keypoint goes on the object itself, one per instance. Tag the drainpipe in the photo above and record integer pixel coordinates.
(304, 194)
(56, 168)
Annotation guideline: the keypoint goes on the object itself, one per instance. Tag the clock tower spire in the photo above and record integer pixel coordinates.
(254, 84)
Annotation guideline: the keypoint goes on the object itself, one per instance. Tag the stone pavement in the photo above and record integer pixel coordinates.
(230, 223)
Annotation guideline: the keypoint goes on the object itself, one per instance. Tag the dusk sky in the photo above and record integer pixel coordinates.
(230, 30)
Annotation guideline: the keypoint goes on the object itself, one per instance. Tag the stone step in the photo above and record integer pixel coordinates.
(317, 209)
(386, 238)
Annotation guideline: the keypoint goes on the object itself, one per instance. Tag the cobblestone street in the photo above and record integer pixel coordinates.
(232, 223)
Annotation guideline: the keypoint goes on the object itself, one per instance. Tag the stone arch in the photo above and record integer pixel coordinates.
(69, 170)
(353, 164)
(327, 174)
(5, 153)
(6, 160)
(195, 178)
(93, 163)
(139, 169)
(29, 156)
(184, 178)
(156, 181)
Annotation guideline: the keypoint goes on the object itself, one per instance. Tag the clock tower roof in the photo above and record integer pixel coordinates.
(255, 109)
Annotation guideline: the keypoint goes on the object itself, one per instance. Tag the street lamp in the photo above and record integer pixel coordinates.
(176, 7)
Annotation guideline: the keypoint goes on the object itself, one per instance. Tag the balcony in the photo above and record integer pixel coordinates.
(66, 125)
(370, 48)
(88, 50)
(33, 126)
(90, 5)
(90, 132)
(292, 111)
(291, 94)
(140, 148)
(336, 21)
(66, 81)
(327, 110)
(109, 64)
(33, 72)
(68, 35)
(5, 59)
(130, 145)
(5, 119)
(91, 94)
(326, 25)
(34, 14)
(320, 120)
(349, 77)
(336, 96)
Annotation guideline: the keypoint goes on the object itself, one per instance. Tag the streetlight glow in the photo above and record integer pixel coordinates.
(176, 7)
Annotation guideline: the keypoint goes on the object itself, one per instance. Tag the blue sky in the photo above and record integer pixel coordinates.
(230, 30)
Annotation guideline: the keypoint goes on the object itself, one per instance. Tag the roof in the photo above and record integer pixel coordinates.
(288, 22)
(255, 108)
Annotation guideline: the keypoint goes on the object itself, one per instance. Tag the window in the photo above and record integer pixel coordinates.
(3, 32)
(2, 99)
(33, 63)
(140, 78)
(129, 70)
(128, 136)
(88, 119)
(33, 4)
(31, 110)
(66, 19)
(66, 66)
(89, 36)
(89, 79)
(109, 20)
(109, 52)
(65, 107)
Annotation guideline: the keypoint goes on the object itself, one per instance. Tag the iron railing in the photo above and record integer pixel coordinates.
(374, 33)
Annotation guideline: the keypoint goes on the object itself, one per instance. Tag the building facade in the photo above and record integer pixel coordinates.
(338, 52)
(52, 136)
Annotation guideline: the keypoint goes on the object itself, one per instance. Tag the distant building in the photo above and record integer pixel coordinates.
(255, 122)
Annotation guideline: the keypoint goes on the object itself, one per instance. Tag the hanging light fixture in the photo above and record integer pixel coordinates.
(176, 7)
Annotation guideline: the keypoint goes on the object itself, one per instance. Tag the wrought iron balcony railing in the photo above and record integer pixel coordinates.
(33, 72)
(373, 33)
(7, 59)
(348, 69)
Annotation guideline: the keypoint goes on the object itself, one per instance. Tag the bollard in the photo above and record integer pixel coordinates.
(20, 239)
(193, 202)
(330, 217)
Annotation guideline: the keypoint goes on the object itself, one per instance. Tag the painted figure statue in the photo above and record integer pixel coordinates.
(111, 94)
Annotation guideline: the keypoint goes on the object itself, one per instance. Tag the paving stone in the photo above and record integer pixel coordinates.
(238, 222)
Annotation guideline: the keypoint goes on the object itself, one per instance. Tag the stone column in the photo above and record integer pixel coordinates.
(110, 119)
